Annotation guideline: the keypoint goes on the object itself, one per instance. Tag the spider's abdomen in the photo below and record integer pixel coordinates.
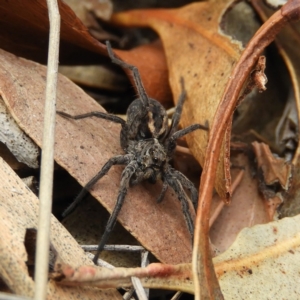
(146, 122)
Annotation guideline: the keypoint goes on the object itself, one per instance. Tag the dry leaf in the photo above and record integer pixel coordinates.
(286, 134)
(88, 9)
(29, 42)
(77, 45)
(82, 147)
(261, 262)
(19, 211)
(274, 169)
(95, 76)
(246, 209)
(288, 43)
(22, 147)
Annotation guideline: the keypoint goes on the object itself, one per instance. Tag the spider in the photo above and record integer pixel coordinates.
(149, 144)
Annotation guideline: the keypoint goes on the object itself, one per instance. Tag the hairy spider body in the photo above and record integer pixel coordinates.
(144, 122)
(149, 144)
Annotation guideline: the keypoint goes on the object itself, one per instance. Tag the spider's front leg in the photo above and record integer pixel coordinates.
(105, 116)
(117, 160)
(178, 109)
(170, 143)
(146, 117)
(125, 181)
(135, 72)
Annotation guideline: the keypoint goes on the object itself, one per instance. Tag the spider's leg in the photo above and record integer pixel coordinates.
(97, 114)
(135, 72)
(176, 186)
(178, 109)
(117, 160)
(126, 175)
(180, 133)
(171, 141)
(185, 182)
(102, 115)
(163, 192)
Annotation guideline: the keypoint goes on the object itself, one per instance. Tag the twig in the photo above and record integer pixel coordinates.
(145, 263)
(128, 294)
(183, 150)
(142, 293)
(127, 248)
(144, 259)
(43, 235)
(100, 262)
(177, 296)
(5, 296)
(170, 111)
(139, 289)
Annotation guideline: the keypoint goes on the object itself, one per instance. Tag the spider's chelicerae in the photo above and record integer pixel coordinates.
(149, 144)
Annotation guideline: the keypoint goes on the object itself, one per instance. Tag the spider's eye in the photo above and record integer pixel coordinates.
(155, 159)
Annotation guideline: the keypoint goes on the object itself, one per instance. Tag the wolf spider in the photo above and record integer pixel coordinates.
(149, 145)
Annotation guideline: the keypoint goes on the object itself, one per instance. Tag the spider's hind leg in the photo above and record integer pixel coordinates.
(163, 192)
(125, 181)
(176, 186)
(185, 182)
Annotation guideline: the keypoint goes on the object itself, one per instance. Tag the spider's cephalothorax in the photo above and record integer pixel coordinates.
(145, 121)
(149, 144)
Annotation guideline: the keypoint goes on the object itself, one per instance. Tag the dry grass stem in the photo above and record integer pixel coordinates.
(47, 164)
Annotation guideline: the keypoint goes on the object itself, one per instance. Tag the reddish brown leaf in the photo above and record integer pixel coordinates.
(32, 17)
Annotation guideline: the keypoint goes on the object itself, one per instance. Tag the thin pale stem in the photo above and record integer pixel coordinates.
(47, 164)
(177, 296)
(144, 264)
(139, 289)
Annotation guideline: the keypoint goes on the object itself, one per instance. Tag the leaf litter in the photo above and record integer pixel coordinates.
(171, 46)
(245, 265)
(19, 211)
